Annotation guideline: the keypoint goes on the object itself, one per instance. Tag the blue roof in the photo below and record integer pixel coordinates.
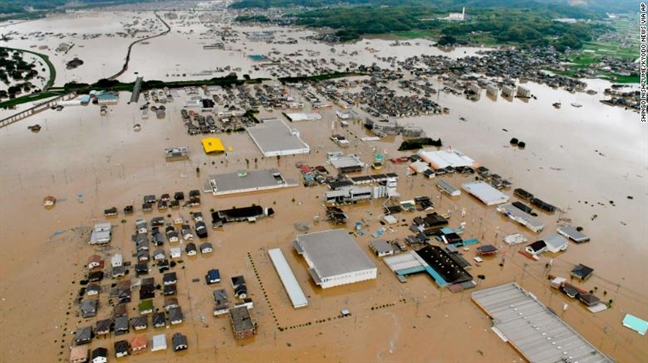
(636, 324)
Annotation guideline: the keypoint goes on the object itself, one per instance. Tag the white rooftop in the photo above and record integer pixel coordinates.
(485, 192)
(443, 158)
(333, 253)
(288, 279)
(273, 137)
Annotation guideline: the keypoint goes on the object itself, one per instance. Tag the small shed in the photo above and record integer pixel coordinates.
(213, 276)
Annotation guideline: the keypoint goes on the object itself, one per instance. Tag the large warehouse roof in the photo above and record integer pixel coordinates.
(486, 193)
(295, 292)
(443, 158)
(333, 253)
(536, 332)
(273, 137)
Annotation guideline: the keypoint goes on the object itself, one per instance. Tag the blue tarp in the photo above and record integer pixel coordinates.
(471, 241)
(409, 271)
(437, 278)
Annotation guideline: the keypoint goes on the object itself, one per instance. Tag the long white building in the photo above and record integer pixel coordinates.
(334, 258)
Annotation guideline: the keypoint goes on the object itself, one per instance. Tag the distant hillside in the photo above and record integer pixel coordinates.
(568, 8)
(31, 6)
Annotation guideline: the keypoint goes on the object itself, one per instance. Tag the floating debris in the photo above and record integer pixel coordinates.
(34, 128)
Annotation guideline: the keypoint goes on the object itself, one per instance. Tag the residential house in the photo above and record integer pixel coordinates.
(243, 325)
(201, 229)
(121, 325)
(119, 310)
(78, 354)
(589, 299)
(536, 247)
(170, 303)
(158, 342)
(381, 248)
(143, 256)
(139, 343)
(89, 308)
(159, 320)
(141, 268)
(240, 287)
(170, 290)
(158, 239)
(117, 260)
(99, 355)
(95, 261)
(172, 234)
(101, 233)
(95, 276)
(102, 328)
(556, 243)
(83, 335)
(573, 234)
(212, 277)
(179, 342)
(582, 272)
(175, 252)
(122, 291)
(159, 255)
(145, 307)
(170, 278)
(122, 348)
(139, 322)
(175, 315)
(222, 302)
(486, 250)
(141, 227)
(190, 249)
(206, 248)
(118, 271)
(186, 233)
(93, 289)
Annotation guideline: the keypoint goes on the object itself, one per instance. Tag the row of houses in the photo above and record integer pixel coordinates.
(123, 348)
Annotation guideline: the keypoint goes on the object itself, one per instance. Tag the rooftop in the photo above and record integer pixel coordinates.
(248, 181)
(443, 158)
(295, 292)
(241, 319)
(486, 193)
(346, 161)
(532, 329)
(333, 253)
(273, 137)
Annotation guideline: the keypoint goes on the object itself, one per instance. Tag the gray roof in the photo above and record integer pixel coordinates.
(381, 246)
(536, 332)
(251, 181)
(295, 292)
(274, 136)
(571, 233)
(241, 319)
(486, 193)
(555, 242)
(521, 217)
(346, 161)
(333, 253)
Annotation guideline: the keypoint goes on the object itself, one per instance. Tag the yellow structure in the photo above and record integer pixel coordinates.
(213, 145)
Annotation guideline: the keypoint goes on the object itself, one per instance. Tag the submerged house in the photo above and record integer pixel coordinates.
(243, 325)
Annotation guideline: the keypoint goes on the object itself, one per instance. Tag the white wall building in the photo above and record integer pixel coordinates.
(334, 258)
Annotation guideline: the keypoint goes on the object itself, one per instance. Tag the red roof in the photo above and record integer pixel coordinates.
(139, 343)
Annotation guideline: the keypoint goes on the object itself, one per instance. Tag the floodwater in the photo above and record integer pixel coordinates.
(579, 159)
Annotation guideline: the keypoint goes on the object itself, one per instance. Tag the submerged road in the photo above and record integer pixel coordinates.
(130, 47)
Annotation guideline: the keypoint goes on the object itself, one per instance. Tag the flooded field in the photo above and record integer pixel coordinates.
(589, 161)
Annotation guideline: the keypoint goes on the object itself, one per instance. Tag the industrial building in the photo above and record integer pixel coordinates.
(442, 159)
(485, 193)
(334, 258)
(573, 234)
(288, 279)
(525, 219)
(213, 145)
(273, 138)
(447, 188)
(346, 163)
(246, 181)
(533, 330)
